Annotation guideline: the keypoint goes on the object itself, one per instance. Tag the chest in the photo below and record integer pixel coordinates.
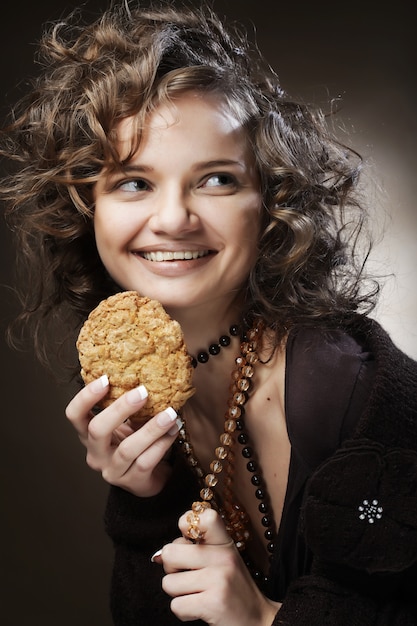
(260, 478)
(258, 465)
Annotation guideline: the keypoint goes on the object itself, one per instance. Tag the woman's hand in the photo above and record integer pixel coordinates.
(209, 580)
(127, 457)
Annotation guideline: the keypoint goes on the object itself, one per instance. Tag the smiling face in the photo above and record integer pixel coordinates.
(180, 224)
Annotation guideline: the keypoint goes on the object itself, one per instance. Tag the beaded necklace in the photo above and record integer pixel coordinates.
(215, 348)
(233, 514)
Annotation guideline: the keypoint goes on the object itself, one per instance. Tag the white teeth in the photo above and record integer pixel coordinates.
(161, 255)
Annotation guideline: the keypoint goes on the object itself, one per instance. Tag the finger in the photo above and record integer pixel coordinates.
(78, 410)
(179, 557)
(189, 608)
(157, 556)
(100, 428)
(187, 582)
(200, 595)
(147, 446)
(187, 590)
(208, 523)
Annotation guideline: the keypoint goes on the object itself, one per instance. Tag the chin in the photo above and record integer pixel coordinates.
(168, 300)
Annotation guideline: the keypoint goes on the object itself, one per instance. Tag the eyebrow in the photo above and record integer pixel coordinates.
(132, 167)
(216, 163)
(136, 168)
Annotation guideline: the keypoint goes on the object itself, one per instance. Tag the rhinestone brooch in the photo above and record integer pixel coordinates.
(369, 510)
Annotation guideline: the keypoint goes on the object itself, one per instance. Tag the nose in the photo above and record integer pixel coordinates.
(172, 213)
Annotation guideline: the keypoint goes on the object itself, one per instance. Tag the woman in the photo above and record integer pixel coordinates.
(157, 153)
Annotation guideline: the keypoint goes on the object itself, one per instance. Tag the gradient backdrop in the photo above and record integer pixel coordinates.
(55, 558)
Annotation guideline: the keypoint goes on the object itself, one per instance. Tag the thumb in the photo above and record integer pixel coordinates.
(202, 524)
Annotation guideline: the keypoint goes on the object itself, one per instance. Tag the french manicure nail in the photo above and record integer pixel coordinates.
(101, 383)
(167, 417)
(157, 553)
(137, 395)
(178, 424)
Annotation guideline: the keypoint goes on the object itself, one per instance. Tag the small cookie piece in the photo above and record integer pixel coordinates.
(134, 341)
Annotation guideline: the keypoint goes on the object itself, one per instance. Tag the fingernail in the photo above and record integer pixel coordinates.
(100, 384)
(167, 417)
(178, 424)
(157, 553)
(136, 395)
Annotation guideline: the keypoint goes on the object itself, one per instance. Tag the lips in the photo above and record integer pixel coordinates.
(177, 255)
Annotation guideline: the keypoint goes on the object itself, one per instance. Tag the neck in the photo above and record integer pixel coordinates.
(204, 325)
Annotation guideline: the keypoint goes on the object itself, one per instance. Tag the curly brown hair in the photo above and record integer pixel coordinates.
(123, 64)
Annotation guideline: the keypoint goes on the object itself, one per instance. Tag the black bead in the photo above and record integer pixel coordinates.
(202, 357)
(243, 438)
(252, 466)
(257, 575)
(247, 452)
(260, 494)
(256, 480)
(266, 521)
(215, 348)
(269, 534)
(263, 507)
(271, 547)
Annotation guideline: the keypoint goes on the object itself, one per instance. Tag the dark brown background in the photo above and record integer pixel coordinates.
(55, 559)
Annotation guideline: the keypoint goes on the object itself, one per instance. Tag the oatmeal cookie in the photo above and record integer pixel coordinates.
(133, 340)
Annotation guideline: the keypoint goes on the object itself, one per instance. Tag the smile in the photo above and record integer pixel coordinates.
(185, 255)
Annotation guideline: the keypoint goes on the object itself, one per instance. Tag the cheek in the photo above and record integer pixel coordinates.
(241, 237)
(247, 228)
(103, 242)
(101, 218)
(109, 226)
(109, 236)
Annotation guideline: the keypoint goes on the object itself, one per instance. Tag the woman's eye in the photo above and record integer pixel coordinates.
(219, 180)
(134, 185)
